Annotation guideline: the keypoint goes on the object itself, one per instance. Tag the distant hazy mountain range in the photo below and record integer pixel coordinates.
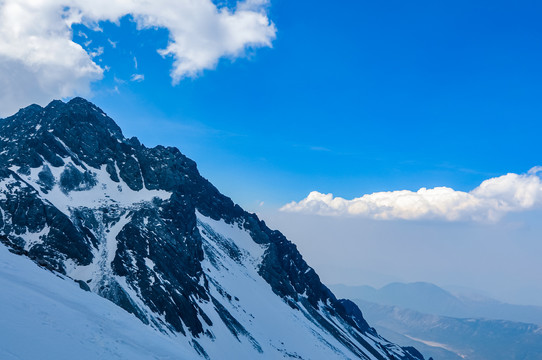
(431, 299)
(447, 326)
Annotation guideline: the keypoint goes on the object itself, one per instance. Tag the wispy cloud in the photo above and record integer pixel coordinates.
(137, 77)
(97, 52)
(490, 201)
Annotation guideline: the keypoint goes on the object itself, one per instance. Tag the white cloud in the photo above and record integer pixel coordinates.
(488, 202)
(137, 77)
(39, 60)
(97, 52)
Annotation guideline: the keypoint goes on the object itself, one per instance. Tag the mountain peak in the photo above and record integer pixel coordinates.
(141, 227)
(73, 103)
(58, 114)
(79, 100)
(31, 109)
(77, 129)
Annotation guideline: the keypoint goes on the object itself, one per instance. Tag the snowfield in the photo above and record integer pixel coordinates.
(47, 317)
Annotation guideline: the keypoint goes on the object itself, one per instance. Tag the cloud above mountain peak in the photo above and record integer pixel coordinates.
(39, 59)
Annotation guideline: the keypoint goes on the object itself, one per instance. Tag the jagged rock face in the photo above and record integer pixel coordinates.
(140, 226)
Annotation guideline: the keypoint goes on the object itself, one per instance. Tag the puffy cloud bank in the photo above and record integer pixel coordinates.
(39, 60)
(488, 202)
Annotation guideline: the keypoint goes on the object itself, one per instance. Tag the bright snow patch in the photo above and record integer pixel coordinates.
(46, 317)
(107, 192)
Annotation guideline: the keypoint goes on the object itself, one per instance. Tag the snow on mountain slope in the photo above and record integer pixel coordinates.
(142, 228)
(231, 267)
(45, 316)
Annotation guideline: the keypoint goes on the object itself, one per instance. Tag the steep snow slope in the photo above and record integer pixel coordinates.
(46, 316)
(231, 267)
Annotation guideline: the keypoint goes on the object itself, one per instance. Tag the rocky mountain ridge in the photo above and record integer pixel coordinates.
(141, 227)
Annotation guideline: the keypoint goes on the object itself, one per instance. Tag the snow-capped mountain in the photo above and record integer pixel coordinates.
(141, 227)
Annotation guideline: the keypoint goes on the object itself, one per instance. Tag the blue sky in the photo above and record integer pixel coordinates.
(350, 98)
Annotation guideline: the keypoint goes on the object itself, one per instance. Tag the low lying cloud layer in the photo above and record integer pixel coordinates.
(39, 59)
(488, 202)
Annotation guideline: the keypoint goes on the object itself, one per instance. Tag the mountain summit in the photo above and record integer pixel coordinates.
(141, 227)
